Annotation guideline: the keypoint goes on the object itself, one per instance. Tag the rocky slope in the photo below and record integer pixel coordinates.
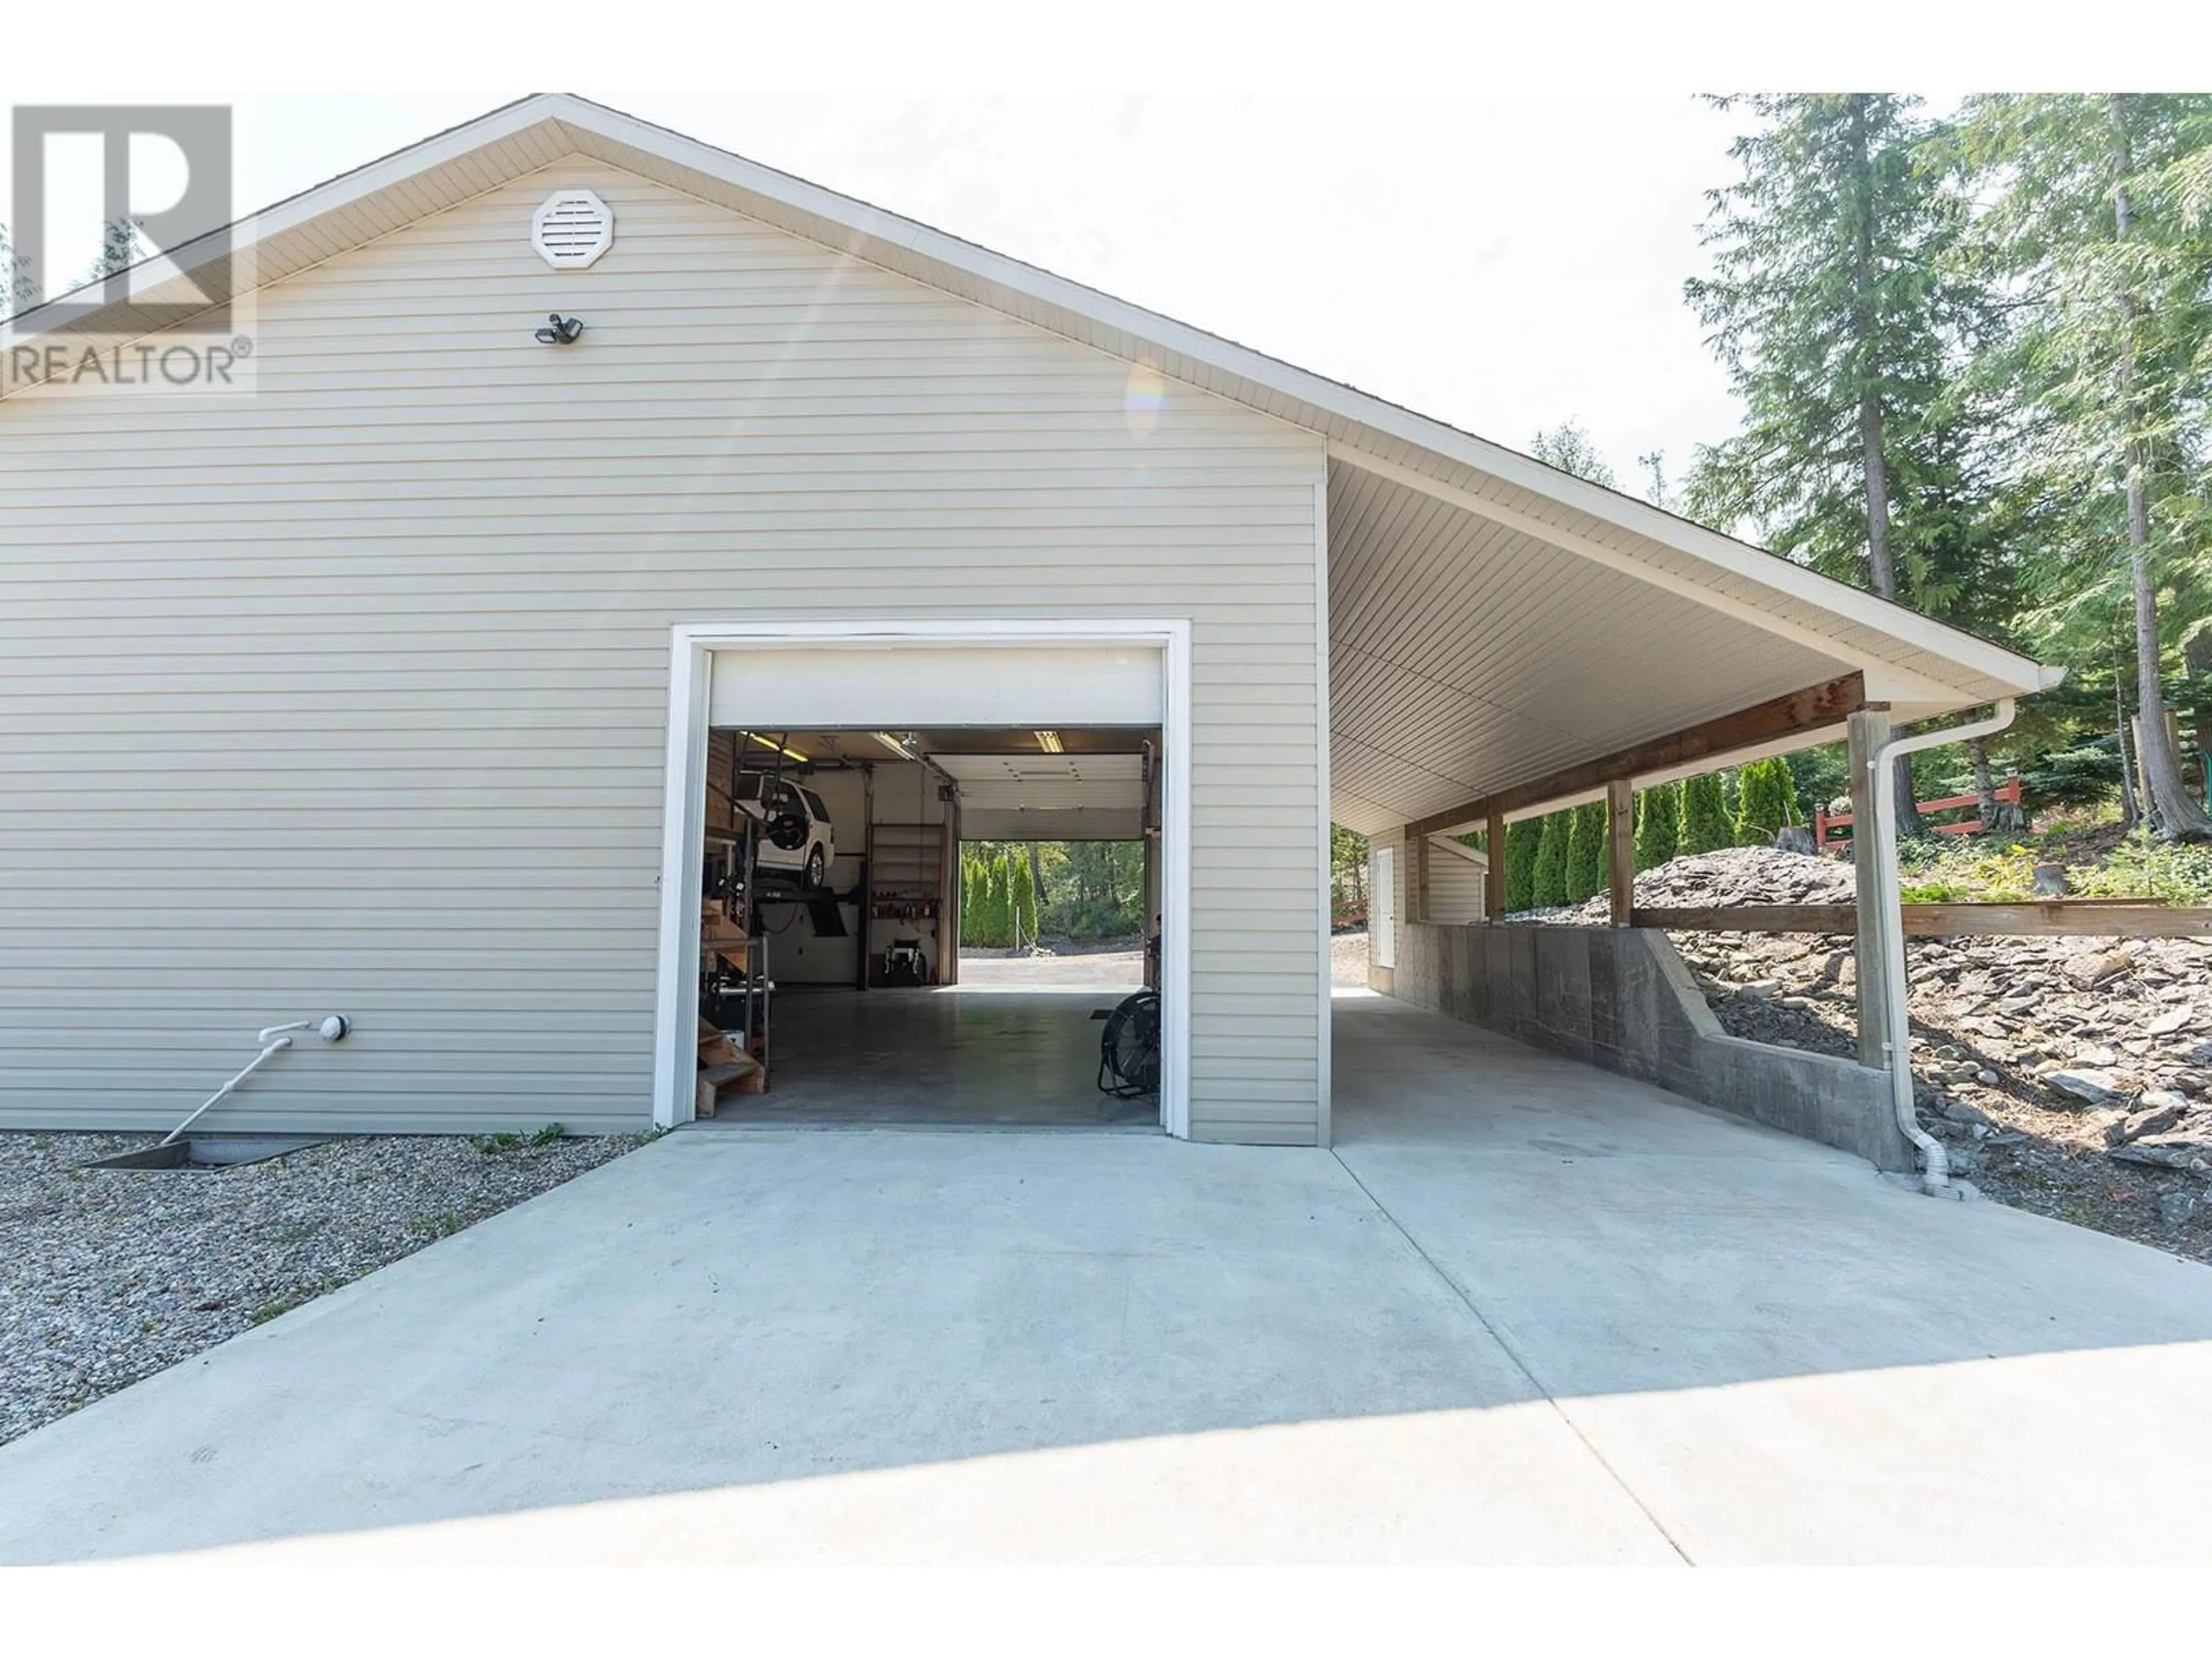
(2068, 1076)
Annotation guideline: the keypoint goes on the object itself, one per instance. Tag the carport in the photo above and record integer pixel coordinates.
(1505, 641)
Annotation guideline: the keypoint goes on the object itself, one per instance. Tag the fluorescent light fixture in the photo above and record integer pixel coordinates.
(895, 743)
(769, 743)
(1049, 742)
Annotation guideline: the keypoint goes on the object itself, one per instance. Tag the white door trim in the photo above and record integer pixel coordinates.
(676, 1001)
(1325, 1084)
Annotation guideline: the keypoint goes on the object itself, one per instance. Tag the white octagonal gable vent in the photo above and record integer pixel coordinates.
(573, 228)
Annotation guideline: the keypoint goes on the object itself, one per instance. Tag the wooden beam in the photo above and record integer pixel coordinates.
(1493, 876)
(1817, 706)
(2076, 918)
(1620, 848)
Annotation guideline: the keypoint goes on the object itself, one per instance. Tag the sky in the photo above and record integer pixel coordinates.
(1501, 263)
(1484, 212)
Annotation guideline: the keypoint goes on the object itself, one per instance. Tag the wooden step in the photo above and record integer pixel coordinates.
(743, 1076)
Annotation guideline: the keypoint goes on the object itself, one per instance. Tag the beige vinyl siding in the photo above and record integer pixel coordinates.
(1455, 883)
(352, 694)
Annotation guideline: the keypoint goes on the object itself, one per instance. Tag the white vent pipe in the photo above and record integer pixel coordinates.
(274, 1040)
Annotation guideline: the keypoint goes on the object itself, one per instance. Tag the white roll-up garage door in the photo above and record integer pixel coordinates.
(908, 685)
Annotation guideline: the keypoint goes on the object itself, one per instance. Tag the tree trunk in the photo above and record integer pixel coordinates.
(2170, 806)
(1996, 816)
(1881, 565)
(1881, 570)
(2174, 811)
(2130, 810)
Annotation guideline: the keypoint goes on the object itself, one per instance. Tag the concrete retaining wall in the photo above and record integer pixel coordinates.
(1622, 998)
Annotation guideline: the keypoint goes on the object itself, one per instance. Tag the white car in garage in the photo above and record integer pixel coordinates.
(797, 837)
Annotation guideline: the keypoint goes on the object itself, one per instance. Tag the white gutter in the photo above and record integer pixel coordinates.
(274, 1040)
(1890, 921)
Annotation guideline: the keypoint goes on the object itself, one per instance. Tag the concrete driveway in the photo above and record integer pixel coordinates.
(1525, 1312)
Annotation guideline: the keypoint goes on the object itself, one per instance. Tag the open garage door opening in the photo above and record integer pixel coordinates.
(866, 895)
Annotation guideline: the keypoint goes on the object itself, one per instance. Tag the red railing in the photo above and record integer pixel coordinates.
(2008, 794)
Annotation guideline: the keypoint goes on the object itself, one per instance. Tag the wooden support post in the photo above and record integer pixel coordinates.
(1417, 900)
(1493, 878)
(1621, 845)
(1866, 730)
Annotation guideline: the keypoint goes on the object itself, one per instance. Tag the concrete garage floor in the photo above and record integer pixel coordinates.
(1526, 1312)
(970, 1056)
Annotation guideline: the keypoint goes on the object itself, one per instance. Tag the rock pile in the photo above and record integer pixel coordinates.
(1735, 875)
(2077, 1071)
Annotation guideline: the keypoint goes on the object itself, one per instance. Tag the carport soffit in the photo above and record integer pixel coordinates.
(1914, 674)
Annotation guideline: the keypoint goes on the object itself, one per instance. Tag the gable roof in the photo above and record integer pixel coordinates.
(1922, 666)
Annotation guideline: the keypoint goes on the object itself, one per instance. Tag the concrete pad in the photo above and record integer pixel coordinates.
(1006, 1055)
(1438, 1488)
(1786, 1357)
(867, 1344)
(1526, 1312)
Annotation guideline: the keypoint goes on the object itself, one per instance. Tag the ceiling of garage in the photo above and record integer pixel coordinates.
(1013, 785)
(1039, 782)
(760, 751)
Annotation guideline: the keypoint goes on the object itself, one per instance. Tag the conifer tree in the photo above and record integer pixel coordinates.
(1766, 802)
(1586, 853)
(1548, 881)
(1520, 841)
(1842, 319)
(1705, 824)
(2094, 211)
(1658, 824)
(1023, 890)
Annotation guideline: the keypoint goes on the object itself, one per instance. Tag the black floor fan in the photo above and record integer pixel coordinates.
(1129, 1047)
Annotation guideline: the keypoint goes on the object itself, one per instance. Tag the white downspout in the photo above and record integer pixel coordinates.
(274, 1040)
(1890, 920)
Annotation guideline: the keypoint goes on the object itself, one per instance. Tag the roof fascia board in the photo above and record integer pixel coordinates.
(396, 169)
(204, 253)
(336, 194)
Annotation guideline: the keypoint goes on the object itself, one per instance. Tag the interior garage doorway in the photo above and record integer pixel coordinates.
(822, 783)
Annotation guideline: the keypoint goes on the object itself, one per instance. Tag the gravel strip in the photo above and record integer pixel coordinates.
(107, 1276)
